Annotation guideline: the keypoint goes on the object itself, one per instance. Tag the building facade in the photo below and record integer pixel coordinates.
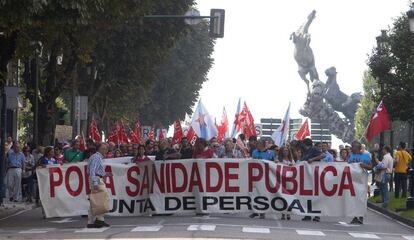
(319, 132)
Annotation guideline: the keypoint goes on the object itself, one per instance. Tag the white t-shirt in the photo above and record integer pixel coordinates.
(388, 162)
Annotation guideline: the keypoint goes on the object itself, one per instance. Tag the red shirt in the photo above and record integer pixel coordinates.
(207, 153)
(139, 159)
(60, 159)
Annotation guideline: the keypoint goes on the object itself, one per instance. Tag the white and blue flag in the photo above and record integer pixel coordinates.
(203, 124)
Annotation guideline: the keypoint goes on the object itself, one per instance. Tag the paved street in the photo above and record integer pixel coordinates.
(30, 225)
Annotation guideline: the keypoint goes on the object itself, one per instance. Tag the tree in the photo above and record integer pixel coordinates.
(367, 105)
(180, 78)
(125, 63)
(393, 66)
(109, 36)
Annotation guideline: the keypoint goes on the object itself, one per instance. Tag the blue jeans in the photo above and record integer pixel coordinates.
(384, 189)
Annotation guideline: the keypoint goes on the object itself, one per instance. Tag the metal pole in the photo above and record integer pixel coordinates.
(36, 102)
(382, 96)
(179, 16)
(2, 143)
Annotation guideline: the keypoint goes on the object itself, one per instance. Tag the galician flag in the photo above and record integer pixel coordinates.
(281, 133)
(202, 123)
(236, 117)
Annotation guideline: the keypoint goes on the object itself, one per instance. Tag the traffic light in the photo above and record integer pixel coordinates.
(217, 23)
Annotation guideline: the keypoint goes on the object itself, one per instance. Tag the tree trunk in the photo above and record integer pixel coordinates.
(47, 121)
(8, 44)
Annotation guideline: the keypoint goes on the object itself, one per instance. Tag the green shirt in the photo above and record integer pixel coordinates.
(73, 156)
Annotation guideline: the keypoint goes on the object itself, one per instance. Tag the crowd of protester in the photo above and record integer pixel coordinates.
(389, 168)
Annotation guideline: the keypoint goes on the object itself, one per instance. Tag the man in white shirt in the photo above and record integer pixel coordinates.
(388, 163)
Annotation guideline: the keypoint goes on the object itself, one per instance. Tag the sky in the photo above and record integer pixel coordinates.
(255, 61)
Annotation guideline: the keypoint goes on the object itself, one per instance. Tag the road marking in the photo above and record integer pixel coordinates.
(37, 231)
(154, 228)
(310, 233)
(364, 235)
(207, 217)
(255, 230)
(409, 237)
(347, 224)
(65, 220)
(13, 215)
(201, 228)
(92, 230)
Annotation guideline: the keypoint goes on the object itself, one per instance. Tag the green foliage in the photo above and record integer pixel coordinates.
(393, 65)
(367, 105)
(179, 78)
(397, 205)
(128, 66)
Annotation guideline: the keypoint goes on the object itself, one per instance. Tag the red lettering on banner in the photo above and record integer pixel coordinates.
(251, 177)
(110, 184)
(145, 181)
(86, 179)
(328, 193)
(195, 179)
(291, 179)
(229, 176)
(159, 180)
(78, 172)
(316, 181)
(217, 167)
(346, 175)
(269, 187)
(168, 178)
(55, 183)
(133, 180)
(302, 190)
(181, 167)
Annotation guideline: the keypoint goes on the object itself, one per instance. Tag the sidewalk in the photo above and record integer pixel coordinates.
(9, 208)
(396, 209)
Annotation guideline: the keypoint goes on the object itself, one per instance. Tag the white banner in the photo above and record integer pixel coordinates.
(210, 186)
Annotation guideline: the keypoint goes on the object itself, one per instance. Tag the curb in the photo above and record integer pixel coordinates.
(390, 214)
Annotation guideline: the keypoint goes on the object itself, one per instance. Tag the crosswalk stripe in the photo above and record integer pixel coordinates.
(153, 228)
(201, 228)
(255, 230)
(409, 237)
(92, 230)
(364, 235)
(310, 233)
(37, 231)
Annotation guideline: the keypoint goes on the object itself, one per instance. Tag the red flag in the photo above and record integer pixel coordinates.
(178, 132)
(303, 131)
(133, 139)
(122, 136)
(138, 130)
(113, 137)
(94, 132)
(191, 136)
(82, 142)
(245, 122)
(379, 122)
(161, 135)
(224, 125)
(151, 134)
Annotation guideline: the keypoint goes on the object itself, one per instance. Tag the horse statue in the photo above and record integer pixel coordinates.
(340, 101)
(303, 52)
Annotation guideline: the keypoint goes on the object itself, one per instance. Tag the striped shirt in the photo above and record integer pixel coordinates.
(96, 168)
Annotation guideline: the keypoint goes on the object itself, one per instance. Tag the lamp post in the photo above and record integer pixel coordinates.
(410, 15)
(410, 199)
(381, 41)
